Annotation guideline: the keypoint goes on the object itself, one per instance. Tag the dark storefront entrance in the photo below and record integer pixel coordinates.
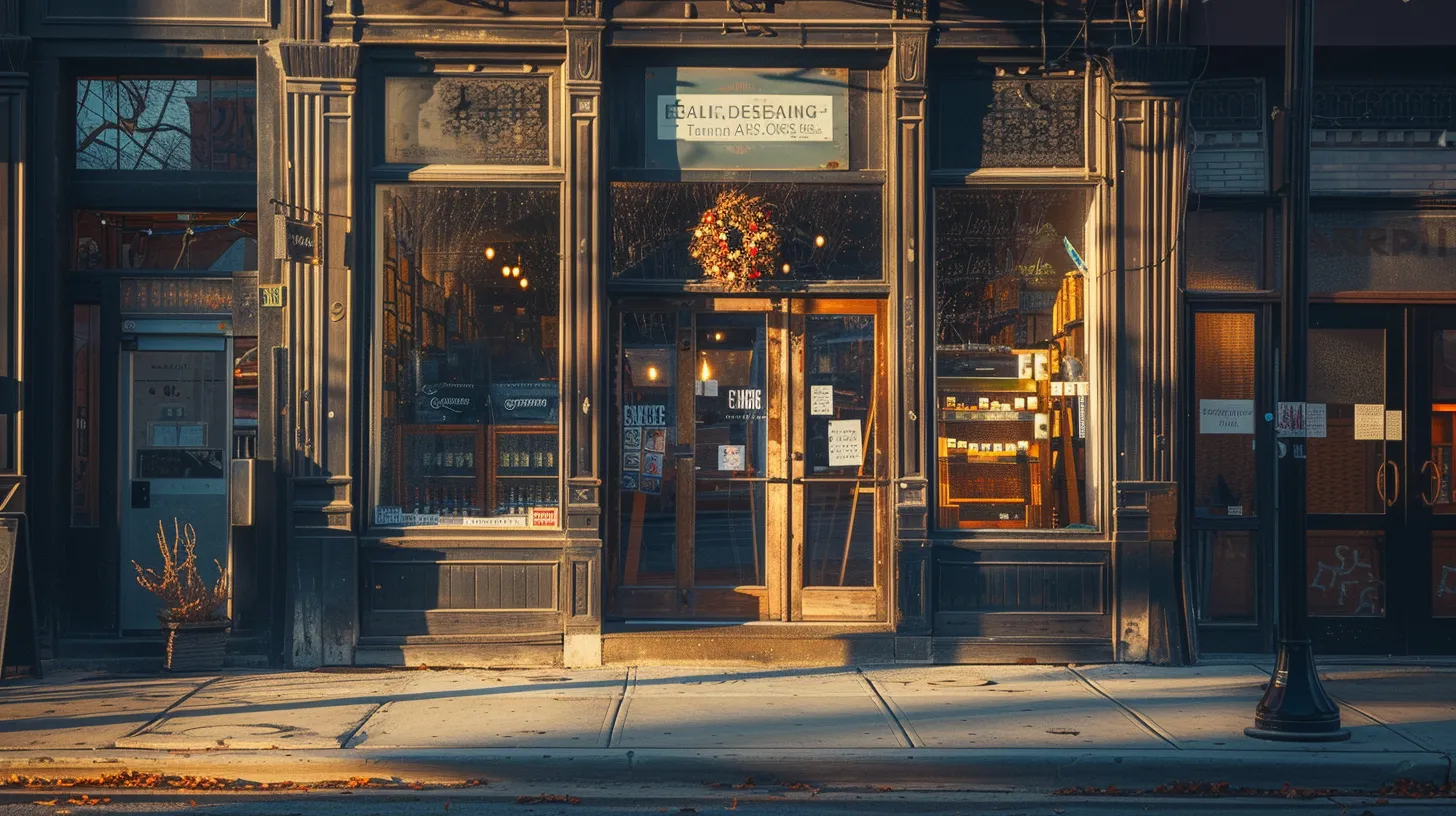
(1381, 574)
(749, 479)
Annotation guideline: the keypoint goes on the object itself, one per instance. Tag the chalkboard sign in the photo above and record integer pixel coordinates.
(23, 646)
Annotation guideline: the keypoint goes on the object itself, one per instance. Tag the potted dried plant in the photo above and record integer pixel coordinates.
(193, 612)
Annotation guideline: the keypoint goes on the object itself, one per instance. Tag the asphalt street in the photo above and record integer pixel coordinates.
(691, 802)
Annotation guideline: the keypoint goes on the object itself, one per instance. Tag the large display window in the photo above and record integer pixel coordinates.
(467, 372)
(1014, 382)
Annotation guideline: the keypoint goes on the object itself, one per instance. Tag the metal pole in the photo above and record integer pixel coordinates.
(1295, 706)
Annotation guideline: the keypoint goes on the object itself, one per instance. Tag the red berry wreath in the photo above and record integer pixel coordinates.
(735, 241)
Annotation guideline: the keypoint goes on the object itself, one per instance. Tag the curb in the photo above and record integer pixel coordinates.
(1023, 769)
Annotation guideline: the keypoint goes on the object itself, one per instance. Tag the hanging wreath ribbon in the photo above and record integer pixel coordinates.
(735, 241)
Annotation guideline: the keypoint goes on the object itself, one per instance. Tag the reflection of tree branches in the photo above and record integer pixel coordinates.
(131, 123)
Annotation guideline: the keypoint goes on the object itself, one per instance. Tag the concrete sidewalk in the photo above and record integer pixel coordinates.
(1029, 727)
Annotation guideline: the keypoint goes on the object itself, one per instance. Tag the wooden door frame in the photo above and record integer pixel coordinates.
(1425, 633)
(839, 603)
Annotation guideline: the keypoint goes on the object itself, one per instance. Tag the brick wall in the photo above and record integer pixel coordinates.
(1229, 162)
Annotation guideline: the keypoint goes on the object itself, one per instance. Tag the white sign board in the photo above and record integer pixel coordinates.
(1316, 421)
(1225, 416)
(745, 118)
(821, 400)
(846, 448)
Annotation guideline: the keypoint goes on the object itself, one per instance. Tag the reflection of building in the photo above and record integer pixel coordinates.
(927, 429)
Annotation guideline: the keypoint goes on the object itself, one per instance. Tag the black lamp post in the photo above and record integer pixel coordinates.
(1295, 706)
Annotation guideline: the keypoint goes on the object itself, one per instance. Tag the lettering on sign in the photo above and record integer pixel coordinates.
(745, 399)
(644, 415)
(1225, 416)
(745, 118)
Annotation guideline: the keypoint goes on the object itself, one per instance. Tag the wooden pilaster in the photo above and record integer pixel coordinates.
(1150, 86)
(583, 402)
(911, 597)
(318, 183)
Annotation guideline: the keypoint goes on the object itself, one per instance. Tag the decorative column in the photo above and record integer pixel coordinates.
(583, 402)
(317, 183)
(912, 326)
(14, 119)
(1150, 86)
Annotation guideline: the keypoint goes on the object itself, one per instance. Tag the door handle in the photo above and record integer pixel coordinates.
(1380, 483)
(1430, 501)
(1395, 495)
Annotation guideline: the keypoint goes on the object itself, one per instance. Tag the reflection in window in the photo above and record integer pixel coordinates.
(161, 123)
(85, 431)
(195, 242)
(1225, 250)
(469, 287)
(825, 232)
(468, 120)
(1012, 375)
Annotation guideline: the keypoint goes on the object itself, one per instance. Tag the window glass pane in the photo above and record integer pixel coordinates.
(1346, 371)
(1225, 250)
(245, 397)
(647, 380)
(85, 425)
(1012, 387)
(468, 120)
(1229, 558)
(820, 232)
(1009, 122)
(1364, 251)
(150, 241)
(166, 123)
(470, 282)
(1223, 448)
(1347, 573)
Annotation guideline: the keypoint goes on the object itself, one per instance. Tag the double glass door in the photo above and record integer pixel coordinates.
(1381, 563)
(748, 479)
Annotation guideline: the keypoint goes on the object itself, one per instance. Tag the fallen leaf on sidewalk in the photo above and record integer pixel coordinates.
(747, 783)
(883, 788)
(1067, 732)
(46, 802)
(733, 806)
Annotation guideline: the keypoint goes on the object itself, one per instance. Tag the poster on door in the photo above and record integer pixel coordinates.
(846, 445)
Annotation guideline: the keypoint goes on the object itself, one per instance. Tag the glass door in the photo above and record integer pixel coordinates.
(700, 467)
(748, 476)
(839, 469)
(1357, 480)
(1429, 549)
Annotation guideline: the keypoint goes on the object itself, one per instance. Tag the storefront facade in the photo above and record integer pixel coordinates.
(802, 333)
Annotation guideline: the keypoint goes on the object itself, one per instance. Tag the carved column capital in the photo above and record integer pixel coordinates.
(1158, 71)
(584, 53)
(320, 61)
(912, 45)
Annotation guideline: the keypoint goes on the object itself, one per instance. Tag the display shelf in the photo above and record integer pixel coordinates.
(526, 468)
(950, 415)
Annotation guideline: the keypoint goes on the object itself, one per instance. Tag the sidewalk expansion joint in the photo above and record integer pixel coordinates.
(616, 720)
(899, 723)
(162, 715)
(359, 726)
(1391, 727)
(1127, 711)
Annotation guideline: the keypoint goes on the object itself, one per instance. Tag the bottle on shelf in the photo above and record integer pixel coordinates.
(427, 501)
(417, 505)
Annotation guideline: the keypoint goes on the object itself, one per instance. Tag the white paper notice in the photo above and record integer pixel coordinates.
(730, 457)
(845, 447)
(1315, 420)
(1393, 425)
(1370, 421)
(1057, 388)
(190, 436)
(1225, 416)
(821, 400)
(710, 388)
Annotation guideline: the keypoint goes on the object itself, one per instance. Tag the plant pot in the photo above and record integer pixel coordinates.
(195, 646)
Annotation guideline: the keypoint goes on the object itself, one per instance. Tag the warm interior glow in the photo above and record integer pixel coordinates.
(707, 373)
(490, 253)
(524, 283)
(506, 271)
(652, 373)
(818, 240)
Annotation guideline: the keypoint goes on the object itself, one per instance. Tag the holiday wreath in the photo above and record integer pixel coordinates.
(735, 241)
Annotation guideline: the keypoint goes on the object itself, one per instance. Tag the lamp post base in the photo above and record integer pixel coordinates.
(1295, 707)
